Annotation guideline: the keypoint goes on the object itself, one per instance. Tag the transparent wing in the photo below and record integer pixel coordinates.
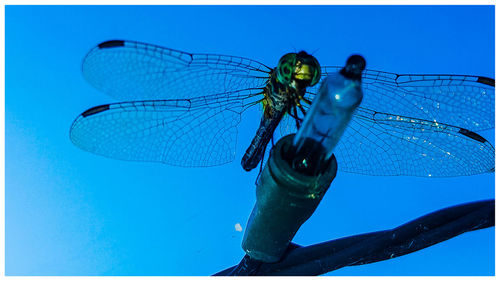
(402, 125)
(286, 126)
(196, 132)
(129, 70)
(385, 144)
(461, 100)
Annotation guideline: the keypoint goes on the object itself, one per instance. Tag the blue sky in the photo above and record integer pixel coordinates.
(70, 212)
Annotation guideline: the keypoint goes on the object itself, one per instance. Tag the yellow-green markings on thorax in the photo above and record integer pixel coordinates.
(295, 72)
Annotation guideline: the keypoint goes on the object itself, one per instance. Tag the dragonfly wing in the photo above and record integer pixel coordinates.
(462, 100)
(196, 132)
(129, 70)
(385, 144)
(286, 126)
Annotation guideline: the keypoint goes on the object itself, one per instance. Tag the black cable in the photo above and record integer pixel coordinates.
(372, 247)
(246, 267)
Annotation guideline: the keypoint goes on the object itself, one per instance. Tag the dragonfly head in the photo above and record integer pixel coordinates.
(298, 70)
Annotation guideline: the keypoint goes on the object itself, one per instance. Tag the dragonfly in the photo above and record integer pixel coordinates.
(183, 109)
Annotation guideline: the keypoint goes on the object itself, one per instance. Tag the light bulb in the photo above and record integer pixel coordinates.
(331, 110)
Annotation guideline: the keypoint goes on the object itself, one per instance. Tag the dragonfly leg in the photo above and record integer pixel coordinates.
(295, 116)
(307, 101)
(302, 109)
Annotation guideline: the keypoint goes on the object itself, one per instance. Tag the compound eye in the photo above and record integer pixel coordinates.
(285, 68)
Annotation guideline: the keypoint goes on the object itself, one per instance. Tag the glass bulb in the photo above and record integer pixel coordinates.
(337, 99)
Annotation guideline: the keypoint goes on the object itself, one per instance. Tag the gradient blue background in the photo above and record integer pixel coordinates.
(70, 212)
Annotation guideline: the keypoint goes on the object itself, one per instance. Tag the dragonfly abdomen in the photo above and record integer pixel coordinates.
(256, 150)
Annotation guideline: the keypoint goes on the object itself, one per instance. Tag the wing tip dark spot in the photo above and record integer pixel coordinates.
(472, 135)
(111, 44)
(486, 81)
(95, 110)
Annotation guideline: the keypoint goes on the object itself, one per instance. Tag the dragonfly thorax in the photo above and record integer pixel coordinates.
(279, 97)
(289, 80)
